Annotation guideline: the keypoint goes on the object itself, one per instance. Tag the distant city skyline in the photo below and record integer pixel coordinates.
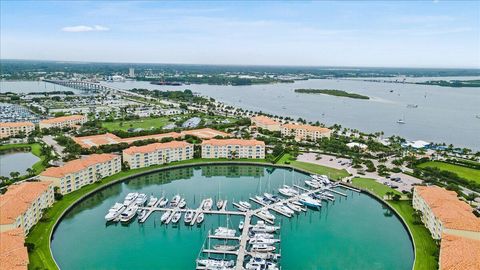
(437, 34)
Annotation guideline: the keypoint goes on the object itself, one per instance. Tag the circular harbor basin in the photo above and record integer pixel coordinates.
(352, 232)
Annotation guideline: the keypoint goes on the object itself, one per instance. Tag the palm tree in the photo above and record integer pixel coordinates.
(30, 171)
(14, 175)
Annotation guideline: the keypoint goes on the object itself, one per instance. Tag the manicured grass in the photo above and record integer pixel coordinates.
(319, 169)
(426, 249)
(145, 123)
(283, 160)
(373, 186)
(463, 172)
(425, 246)
(35, 148)
(40, 257)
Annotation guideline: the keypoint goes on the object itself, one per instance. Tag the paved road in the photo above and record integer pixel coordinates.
(48, 139)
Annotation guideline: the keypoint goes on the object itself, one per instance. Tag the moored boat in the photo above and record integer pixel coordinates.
(207, 204)
(200, 218)
(245, 205)
(114, 212)
(176, 217)
(128, 214)
(189, 215)
(262, 248)
(182, 203)
(152, 201)
(175, 200)
(130, 198)
(163, 202)
(165, 216)
(141, 199)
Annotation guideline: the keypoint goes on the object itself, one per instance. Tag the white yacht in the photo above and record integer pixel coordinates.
(271, 197)
(262, 236)
(223, 231)
(128, 213)
(141, 213)
(220, 204)
(260, 227)
(269, 241)
(152, 202)
(312, 184)
(294, 207)
(267, 214)
(262, 248)
(310, 202)
(256, 263)
(165, 216)
(200, 218)
(245, 205)
(189, 215)
(131, 197)
(240, 225)
(114, 212)
(163, 202)
(141, 199)
(207, 204)
(176, 217)
(287, 191)
(215, 264)
(283, 208)
(175, 200)
(182, 203)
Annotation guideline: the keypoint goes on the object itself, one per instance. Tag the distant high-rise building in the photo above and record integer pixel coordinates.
(131, 72)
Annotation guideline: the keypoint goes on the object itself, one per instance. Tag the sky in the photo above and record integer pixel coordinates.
(443, 34)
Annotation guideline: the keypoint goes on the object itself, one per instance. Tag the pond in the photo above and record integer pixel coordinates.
(16, 162)
(353, 232)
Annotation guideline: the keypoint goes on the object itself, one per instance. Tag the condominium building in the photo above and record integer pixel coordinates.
(80, 172)
(443, 212)
(157, 153)
(22, 205)
(305, 132)
(13, 253)
(14, 128)
(457, 252)
(265, 123)
(63, 121)
(233, 148)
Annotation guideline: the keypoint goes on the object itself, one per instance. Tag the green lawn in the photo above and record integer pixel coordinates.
(319, 169)
(283, 160)
(373, 186)
(35, 148)
(425, 246)
(40, 234)
(463, 172)
(145, 123)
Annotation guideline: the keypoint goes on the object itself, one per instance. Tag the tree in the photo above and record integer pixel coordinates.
(30, 171)
(14, 175)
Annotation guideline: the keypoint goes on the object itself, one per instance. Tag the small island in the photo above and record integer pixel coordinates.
(332, 92)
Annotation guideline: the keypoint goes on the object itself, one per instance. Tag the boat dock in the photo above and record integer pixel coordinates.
(349, 187)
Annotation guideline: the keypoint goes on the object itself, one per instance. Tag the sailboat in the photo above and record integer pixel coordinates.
(401, 120)
(220, 202)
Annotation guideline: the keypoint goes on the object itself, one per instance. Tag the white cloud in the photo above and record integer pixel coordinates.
(84, 28)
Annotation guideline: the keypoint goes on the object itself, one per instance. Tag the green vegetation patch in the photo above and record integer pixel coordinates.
(332, 92)
(143, 123)
(373, 186)
(319, 169)
(463, 172)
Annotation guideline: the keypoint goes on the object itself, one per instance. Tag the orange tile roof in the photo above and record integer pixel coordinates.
(216, 142)
(62, 119)
(13, 253)
(459, 253)
(154, 136)
(77, 165)
(453, 213)
(17, 124)
(264, 120)
(155, 146)
(306, 127)
(109, 138)
(19, 198)
(205, 133)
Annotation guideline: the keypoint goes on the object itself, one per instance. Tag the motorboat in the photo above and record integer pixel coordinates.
(215, 264)
(297, 203)
(267, 214)
(182, 203)
(400, 121)
(261, 235)
(225, 247)
(240, 225)
(287, 191)
(245, 204)
(239, 207)
(162, 202)
(220, 204)
(115, 211)
(256, 263)
(141, 199)
(271, 197)
(294, 207)
(262, 248)
(269, 241)
(165, 216)
(262, 228)
(262, 199)
(312, 184)
(176, 217)
(130, 198)
(175, 200)
(321, 178)
(223, 231)
(128, 213)
(141, 213)
(267, 256)
(283, 208)
(189, 215)
(152, 201)
(207, 204)
(310, 202)
(200, 218)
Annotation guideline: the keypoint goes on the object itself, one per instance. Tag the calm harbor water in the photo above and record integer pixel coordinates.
(16, 162)
(354, 232)
(444, 114)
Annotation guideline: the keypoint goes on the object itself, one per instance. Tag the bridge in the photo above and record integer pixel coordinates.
(96, 86)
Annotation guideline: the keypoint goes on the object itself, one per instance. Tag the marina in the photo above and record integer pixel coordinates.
(253, 240)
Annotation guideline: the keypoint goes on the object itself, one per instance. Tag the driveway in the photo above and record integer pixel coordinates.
(48, 139)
